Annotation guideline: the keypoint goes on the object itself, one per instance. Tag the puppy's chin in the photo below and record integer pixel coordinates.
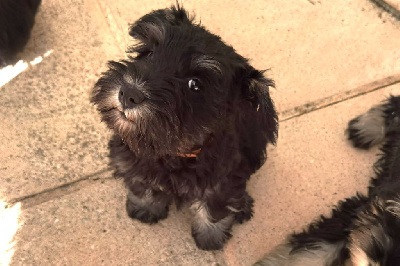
(130, 114)
(122, 124)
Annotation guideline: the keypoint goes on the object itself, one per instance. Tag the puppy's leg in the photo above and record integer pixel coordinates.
(146, 204)
(208, 231)
(368, 129)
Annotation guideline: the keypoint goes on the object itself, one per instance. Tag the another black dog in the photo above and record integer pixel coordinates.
(16, 21)
(362, 230)
(191, 119)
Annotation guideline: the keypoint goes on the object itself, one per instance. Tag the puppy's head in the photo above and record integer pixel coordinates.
(180, 85)
(375, 240)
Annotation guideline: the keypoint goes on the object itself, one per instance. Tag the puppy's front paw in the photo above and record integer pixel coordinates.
(247, 212)
(243, 216)
(210, 235)
(210, 238)
(149, 213)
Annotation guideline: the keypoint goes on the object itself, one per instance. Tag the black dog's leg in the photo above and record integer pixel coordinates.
(372, 127)
(211, 227)
(146, 204)
(368, 129)
(214, 217)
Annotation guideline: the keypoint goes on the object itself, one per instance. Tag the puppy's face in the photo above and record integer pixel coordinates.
(376, 239)
(178, 87)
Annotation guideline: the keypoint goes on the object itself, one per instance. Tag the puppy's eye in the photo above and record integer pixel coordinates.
(194, 85)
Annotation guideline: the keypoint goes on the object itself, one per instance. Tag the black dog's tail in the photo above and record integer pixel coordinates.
(373, 127)
(324, 242)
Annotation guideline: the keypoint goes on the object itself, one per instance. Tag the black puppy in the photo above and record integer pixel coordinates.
(16, 21)
(191, 120)
(363, 230)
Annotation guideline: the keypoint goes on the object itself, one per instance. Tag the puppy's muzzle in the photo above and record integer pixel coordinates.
(130, 97)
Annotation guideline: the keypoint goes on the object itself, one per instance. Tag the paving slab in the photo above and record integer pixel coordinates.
(313, 48)
(90, 227)
(50, 132)
(49, 152)
(310, 170)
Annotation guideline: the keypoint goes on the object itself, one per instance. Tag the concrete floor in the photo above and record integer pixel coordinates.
(331, 60)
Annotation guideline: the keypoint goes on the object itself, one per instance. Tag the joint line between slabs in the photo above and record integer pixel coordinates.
(58, 191)
(338, 98)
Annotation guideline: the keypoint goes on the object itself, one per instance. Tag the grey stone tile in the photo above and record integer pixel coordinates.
(90, 227)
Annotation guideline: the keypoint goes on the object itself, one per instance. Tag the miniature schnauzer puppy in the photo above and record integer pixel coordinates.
(191, 121)
(16, 21)
(362, 230)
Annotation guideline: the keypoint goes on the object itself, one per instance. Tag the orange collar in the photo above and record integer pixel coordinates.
(195, 152)
(190, 155)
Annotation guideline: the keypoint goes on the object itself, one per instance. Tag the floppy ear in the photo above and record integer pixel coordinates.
(151, 27)
(256, 91)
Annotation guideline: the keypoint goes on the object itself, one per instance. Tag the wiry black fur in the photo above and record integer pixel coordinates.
(366, 225)
(231, 117)
(332, 229)
(356, 140)
(16, 21)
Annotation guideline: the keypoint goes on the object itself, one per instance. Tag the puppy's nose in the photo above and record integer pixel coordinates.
(130, 97)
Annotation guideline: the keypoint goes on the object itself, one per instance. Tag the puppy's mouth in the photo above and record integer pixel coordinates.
(129, 114)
